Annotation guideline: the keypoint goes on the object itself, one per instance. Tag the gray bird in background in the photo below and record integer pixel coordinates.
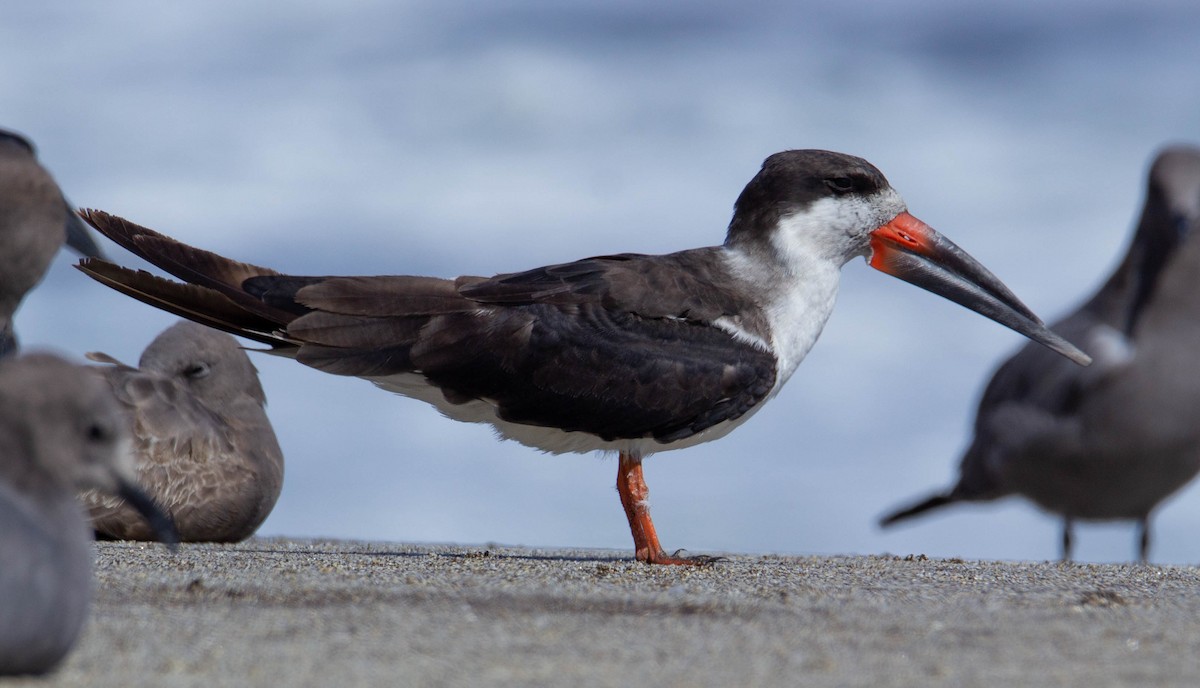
(1112, 441)
(35, 220)
(204, 447)
(60, 431)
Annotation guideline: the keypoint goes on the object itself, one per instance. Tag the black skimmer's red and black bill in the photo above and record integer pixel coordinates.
(1112, 441)
(35, 221)
(626, 353)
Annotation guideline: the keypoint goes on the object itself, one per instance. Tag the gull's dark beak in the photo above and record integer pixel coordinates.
(79, 236)
(159, 521)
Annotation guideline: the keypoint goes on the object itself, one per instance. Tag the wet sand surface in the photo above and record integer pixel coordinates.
(280, 612)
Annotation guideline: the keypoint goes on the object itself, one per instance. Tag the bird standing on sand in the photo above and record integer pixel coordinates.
(60, 431)
(35, 220)
(1112, 441)
(204, 448)
(627, 353)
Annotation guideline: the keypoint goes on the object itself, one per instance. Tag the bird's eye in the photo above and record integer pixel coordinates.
(196, 371)
(96, 432)
(840, 185)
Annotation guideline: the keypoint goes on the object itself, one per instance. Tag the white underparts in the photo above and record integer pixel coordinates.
(551, 440)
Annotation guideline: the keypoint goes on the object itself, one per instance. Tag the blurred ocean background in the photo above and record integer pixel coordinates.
(447, 138)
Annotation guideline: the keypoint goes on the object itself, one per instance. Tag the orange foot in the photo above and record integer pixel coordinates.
(677, 559)
(631, 485)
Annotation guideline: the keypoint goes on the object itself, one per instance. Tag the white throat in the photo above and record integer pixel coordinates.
(796, 305)
(798, 276)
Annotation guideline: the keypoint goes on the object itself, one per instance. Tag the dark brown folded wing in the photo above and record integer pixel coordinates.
(622, 347)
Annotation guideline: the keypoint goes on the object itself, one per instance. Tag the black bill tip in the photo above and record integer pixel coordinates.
(157, 518)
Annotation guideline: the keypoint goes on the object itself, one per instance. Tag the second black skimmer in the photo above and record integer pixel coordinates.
(1112, 441)
(627, 353)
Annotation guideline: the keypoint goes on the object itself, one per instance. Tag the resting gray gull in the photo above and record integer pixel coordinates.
(204, 447)
(60, 431)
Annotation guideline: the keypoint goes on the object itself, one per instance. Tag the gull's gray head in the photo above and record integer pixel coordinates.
(209, 362)
(66, 423)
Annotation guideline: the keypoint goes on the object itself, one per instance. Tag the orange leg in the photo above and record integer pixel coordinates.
(631, 485)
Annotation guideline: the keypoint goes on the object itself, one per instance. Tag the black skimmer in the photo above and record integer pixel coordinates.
(625, 353)
(35, 220)
(203, 444)
(60, 431)
(1112, 441)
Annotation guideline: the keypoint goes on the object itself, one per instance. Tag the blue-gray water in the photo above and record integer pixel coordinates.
(441, 138)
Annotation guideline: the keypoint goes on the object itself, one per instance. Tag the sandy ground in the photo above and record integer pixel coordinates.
(325, 613)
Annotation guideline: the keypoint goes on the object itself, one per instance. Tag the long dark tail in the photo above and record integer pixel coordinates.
(214, 294)
(934, 502)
